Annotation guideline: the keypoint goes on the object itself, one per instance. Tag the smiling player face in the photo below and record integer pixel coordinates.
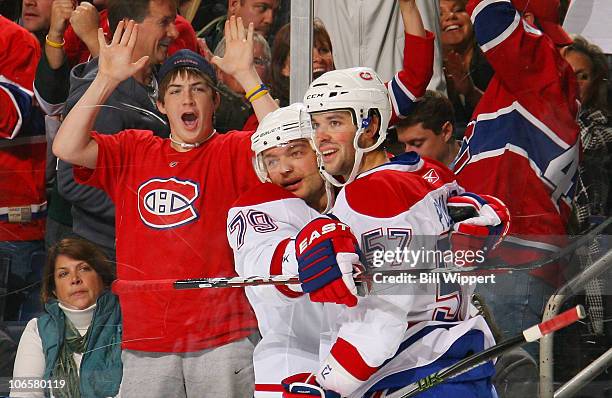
(334, 135)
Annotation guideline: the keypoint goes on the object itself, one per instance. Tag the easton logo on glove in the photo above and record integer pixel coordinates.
(326, 228)
(326, 253)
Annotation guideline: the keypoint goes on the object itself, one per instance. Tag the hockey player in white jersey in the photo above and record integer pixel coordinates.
(382, 342)
(260, 228)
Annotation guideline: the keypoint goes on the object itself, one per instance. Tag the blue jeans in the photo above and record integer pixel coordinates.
(517, 302)
(20, 255)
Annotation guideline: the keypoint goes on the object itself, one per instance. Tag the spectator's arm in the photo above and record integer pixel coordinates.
(52, 86)
(60, 14)
(238, 62)
(413, 23)
(30, 360)
(84, 21)
(73, 142)
(522, 57)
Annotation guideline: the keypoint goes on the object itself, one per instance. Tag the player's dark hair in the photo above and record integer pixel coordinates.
(433, 110)
(76, 249)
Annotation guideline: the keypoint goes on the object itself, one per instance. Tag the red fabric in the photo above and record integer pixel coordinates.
(251, 124)
(544, 85)
(19, 55)
(416, 71)
(350, 359)
(22, 180)
(546, 13)
(77, 52)
(406, 192)
(276, 268)
(171, 211)
(9, 115)
(22, 183)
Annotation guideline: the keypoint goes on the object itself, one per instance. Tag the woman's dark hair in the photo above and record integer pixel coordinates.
(597, 95)
(76, 249)
(280, 53)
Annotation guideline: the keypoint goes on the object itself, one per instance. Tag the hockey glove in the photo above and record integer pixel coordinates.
(486, 225)
(304, 385)
(326, 251)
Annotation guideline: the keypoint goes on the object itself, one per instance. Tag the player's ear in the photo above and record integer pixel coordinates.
(447, 131)
(373, 125)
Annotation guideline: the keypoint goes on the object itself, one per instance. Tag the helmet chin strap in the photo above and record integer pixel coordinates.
(186, 145)
(329, 193)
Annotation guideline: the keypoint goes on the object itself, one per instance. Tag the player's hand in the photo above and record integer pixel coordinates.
(238, 58)
(115, 60)
(327, 253)
(60, 14)
(84, 21)
(304, 385)
(480, 222)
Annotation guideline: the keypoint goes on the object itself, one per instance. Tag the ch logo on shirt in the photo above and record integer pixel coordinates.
(167, 203)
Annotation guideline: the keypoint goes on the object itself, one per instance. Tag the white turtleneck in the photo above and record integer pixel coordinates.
(30, 360)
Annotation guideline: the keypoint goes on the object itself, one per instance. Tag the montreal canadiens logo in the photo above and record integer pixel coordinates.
(366, 75)
(167, 203)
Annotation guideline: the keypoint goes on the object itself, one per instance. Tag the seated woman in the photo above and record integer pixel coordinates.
(74, 349)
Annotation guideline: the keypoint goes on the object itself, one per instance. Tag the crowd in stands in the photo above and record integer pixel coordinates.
(107, 139)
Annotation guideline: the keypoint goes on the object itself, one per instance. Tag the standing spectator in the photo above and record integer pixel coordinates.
(258, 12)
(178, 191)
(77, 341)
(522, 147)
(131, 105)
(466, 69)
(23, 201)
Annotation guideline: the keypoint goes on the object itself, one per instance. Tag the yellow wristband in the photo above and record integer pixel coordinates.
(54, 44)
(254, 90)
(258, 95)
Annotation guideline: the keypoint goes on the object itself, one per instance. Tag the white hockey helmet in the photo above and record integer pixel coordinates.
(278, 128)
(358, 90)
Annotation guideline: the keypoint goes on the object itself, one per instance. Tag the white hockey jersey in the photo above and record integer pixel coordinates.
(396, 205)
(260, 228)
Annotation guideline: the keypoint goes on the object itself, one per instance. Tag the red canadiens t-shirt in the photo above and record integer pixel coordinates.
(171, 211)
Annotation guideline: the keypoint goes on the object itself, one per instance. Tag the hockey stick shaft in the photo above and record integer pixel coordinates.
(529, 335)
(222, 282)
(126, 286)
